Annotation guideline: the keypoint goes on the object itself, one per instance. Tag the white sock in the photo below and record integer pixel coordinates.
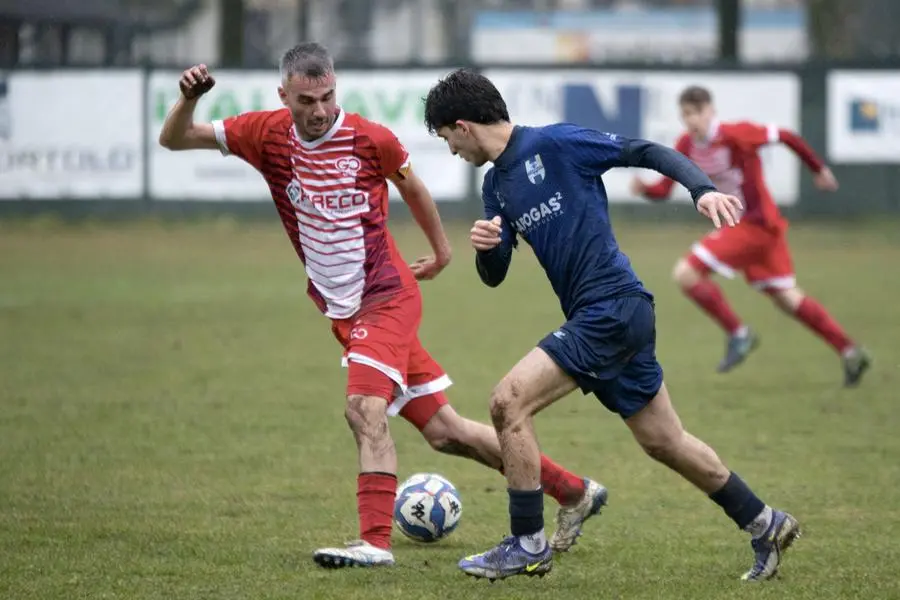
(534, 543)
(742, 331)
(760, 525)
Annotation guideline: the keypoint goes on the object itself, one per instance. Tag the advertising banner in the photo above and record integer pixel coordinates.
(391, 98)
(645, 105)
(71, 134)
(864, 116)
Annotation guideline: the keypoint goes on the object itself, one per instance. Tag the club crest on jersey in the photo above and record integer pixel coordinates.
(348, 165)
(500, 199)
(534, 168)
(294, 192)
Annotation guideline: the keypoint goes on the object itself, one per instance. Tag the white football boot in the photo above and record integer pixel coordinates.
(569, 519)
(358, 553)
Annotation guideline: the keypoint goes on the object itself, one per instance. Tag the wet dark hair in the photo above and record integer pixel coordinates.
(695, 96)
(464, 95)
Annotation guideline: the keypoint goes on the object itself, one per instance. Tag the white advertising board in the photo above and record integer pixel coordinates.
(864, 116)
(71, 134)
(645, 105)
(391, 98)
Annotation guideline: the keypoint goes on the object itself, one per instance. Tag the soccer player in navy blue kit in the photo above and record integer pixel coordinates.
(545, 187)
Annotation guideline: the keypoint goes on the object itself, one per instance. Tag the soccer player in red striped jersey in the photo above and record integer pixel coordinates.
(757, 247)
(328, 173)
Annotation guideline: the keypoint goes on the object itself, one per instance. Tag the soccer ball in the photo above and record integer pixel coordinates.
(427, 507)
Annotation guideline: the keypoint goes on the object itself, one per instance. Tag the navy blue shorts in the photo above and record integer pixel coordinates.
(609, 349)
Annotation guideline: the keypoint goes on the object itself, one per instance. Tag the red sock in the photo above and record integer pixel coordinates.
(708, 296)
(375, 503)
(813, 315)
(559, 484)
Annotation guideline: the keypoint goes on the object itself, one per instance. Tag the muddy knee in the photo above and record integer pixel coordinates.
(506, 406)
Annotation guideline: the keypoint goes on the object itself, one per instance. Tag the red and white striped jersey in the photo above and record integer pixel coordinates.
(731, 159)
(332, 197)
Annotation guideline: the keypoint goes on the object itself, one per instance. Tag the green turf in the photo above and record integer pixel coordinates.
(171, 424)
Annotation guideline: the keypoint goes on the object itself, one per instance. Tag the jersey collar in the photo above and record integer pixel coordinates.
(309, 145)
(508, 156)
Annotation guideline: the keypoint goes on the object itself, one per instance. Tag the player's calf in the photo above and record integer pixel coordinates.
(813, 315)
(450, 433)
(855, 361)
(367, 418)
(659, 431)
(660, 434)
(693, 278)
(376, 484)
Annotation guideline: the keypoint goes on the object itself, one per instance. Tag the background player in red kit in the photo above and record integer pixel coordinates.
(757, 247)
(327, 171)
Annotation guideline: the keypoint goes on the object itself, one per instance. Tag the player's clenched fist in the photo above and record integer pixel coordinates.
(720, 207)
(485, 235)
(195, 82)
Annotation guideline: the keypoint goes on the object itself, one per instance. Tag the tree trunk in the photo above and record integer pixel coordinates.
(729, 30)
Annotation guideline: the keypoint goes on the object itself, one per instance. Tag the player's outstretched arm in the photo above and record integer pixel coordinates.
(662, 189)
(668, 162)
(676, 166)
(179, 132)
(424, 210)
(823, 177)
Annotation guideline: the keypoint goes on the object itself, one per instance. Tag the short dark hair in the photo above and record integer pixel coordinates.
(695, 95)
(464, 95)
(309, 59)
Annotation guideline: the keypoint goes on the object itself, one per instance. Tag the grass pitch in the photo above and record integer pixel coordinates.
(171, 424)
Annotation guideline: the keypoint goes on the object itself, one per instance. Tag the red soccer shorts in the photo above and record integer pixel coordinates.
(385, 358)
(760, 253)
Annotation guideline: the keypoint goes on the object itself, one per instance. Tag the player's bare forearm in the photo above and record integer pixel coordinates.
(668, 162)
(425, 212)
(179, 132)
(493, 265)
(802, 149)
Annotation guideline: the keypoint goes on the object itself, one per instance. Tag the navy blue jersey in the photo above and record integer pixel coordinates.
(546, 186)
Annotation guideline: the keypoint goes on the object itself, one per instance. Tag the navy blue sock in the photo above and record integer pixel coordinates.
(526, 511)
(738, 501)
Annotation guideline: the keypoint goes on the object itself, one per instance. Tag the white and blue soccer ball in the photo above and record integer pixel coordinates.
(427, 507)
